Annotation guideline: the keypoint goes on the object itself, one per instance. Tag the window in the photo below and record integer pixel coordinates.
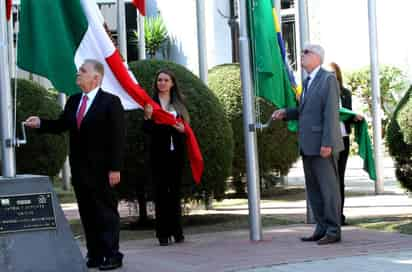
(289, 36)
(287, 4)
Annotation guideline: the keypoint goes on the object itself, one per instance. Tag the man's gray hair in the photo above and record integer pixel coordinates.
(316, 49)
(97, 66)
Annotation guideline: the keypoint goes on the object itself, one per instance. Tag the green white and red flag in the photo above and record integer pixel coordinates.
(8, 9)
(141, 6)
(55, 38)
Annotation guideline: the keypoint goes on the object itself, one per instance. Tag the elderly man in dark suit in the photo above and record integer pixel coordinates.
(320, 142)
(95, 120)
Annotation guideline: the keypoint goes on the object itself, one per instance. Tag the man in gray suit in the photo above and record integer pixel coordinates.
(320, 142)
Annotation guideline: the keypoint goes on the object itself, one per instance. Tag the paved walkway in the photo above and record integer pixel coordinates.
(361, 250)
(281, 250)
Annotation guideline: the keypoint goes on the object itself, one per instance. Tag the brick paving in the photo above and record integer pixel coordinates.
(281, 250)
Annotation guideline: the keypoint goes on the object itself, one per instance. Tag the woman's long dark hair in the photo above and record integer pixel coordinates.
(176, 97)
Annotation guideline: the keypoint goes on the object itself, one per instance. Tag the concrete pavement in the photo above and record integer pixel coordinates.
(281, 250)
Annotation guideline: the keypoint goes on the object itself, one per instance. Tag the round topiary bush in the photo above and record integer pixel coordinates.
(405, 121)
(44, 154)
(399, 140)
(278, 148)
(208, 122)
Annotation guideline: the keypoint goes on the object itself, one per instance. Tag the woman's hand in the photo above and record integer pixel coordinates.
(179, 127)
(358, 118)
(148, 111)
(114, 178)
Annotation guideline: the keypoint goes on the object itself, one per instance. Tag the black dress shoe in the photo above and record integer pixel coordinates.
(111, 263)
(163, 241)
(179, 238)
(329, 239)
(94, 262)
(312, 238)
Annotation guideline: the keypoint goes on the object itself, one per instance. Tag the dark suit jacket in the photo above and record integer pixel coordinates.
(98, 146)
(318, 116)
(161, 137)
(346, 100)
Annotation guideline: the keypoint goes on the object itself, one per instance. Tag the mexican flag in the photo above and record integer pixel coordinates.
(55, 38)
(141, 6)
(8, 9)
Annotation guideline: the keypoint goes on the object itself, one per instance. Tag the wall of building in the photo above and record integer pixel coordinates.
(342, 28)
(180, 19)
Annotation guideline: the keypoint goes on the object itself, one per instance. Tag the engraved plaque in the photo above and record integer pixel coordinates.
(26, 212)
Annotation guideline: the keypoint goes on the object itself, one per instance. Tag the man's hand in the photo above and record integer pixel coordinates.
(279, 114)
(325, 151)
(148, 111)
(32, 122)
(114, 178)
(179, 127)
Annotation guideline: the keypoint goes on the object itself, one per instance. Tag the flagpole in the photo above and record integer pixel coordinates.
(252, 164)
(142, 42)
(376, 97)
(121, 29)
(277, 5)
(201, 39)
(8, 157)
(66, 167)
(304, 38)
(304, 34)
(11, 47)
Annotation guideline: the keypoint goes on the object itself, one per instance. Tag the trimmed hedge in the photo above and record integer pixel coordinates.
(278, 148)
(44, 154)
(399, 140)
(208, 121)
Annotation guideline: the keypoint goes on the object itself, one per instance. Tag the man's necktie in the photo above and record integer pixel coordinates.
(305, 87)
(81, 112)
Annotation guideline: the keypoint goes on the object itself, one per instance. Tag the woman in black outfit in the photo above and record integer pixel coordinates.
(167, 149)
(346, 102)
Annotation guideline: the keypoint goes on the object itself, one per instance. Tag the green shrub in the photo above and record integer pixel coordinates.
(405, 122)
(399, 141)
(156, 36)
(44, 154)
(212, 130)
(278, 148)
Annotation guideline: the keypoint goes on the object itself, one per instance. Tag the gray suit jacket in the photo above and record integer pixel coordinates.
(318, 116)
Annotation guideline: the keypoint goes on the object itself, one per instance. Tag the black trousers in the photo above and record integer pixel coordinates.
(167, 181)
(342, 160)
(100, 219)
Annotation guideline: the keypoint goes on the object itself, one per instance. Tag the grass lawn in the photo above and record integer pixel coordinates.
(64, 196)
(209, 223)
(193, 224)
(401, 224)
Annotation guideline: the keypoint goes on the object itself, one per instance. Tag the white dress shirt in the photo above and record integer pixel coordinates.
(90, 97)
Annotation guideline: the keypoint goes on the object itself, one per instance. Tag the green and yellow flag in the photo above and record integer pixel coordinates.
(365, 150)
(271, 75)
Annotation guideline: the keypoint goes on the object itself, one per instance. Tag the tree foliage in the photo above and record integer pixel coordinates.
(399, 140)
(278, 148)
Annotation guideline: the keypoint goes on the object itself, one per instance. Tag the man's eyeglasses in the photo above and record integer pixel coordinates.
(305, 52)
